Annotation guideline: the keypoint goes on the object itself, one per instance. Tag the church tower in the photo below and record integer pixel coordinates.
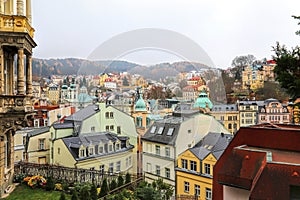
(16, 44)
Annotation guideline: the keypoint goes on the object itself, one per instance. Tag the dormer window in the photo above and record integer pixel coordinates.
(117, 146)
(101, 149)
(110, 148)
(82, 153)
(91, 151)
(160, 130)
(153, 129)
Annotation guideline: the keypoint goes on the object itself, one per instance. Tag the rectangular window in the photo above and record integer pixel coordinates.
(119, 129)
(101, 167)
(111, 168)
(186, 187)
(107, 115)
(184, 163)
(110, 148)
(229, 118)
(127, 163)
(153, 129)
(222, 118)
(117, 147)
(208, 194)
(170, 131)
(197, 190)
(157, 150)
(193, 165)
(207, 168)
(167, 171)
(111, 115)
(58, 151)
(107, 128)
(81, 153)
(167, 151)
(93, 129)
(248, 121)
(100, 149)
(112, 127)
(118, 167)
(91, 151)
(41, 144)
(157, 170)
(149, 167)
(189, 131)
(160, 130)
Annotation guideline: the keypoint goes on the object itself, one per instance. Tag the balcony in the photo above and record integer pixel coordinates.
(15, 103)
(15, 23)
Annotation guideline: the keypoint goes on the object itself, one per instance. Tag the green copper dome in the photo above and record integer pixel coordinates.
(140, 105)
(202, 101)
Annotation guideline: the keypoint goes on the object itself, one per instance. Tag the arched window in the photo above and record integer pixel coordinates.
(229, 126)
(148, 121)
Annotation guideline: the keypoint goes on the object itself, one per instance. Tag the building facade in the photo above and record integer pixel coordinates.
(16, 44)
(194, 171)
(166, 139)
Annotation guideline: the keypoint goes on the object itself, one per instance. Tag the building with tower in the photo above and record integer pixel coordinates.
(16, 111)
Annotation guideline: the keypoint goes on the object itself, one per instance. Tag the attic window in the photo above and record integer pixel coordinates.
(153, 129)
(160, 130)
(170, 131)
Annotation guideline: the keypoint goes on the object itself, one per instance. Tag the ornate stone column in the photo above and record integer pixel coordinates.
(1, 71)
(28, 10)
(1, 6)
(20, 7)
(10, 72)
(20, 75)
(29, 75)
(9, 7)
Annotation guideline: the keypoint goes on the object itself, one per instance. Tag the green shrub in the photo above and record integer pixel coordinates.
(50, 184)
(84, 193)
(62, 196)
(104, 188)
(120, 181)
(113, 185)
(127, 178)
(93, 192)
(74, 195)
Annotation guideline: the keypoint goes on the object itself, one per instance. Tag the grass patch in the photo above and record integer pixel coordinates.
(23, 192)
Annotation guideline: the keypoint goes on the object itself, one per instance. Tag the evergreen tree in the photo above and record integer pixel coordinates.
(120, 181)
(93, 192)
(50, 184)
(104, 188)
(125, 82)
(127, 178)
(113, 185)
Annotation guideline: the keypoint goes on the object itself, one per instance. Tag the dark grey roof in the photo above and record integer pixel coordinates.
(38, 131)
(83, 113)
(74, 143)
(62, 125)
(267, 101)
(214, 143)
(153, 134)
(225, 107)
(259, 103)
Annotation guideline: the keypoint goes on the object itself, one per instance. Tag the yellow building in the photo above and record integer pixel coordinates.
(20, 142)
(53, 94)
(102, 79)
(38, 147)
(194, 171)
(95, 151)
(228, 115)
(253, 77)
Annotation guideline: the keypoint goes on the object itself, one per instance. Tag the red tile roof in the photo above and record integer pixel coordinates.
(264, 161)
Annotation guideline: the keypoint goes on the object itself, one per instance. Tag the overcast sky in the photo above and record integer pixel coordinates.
(224, 29)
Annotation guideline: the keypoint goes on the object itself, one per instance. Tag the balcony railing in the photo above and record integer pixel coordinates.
(15, 23)
(15, 103)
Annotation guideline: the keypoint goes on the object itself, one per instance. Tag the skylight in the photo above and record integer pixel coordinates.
(160, 130)
(170, 131)
(153, 129)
